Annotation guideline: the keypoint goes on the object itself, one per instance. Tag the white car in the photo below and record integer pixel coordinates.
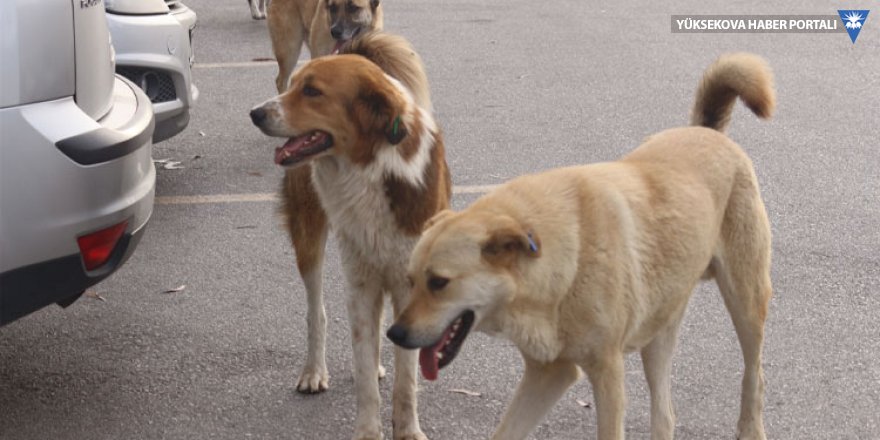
(153, 41)
(77, 179)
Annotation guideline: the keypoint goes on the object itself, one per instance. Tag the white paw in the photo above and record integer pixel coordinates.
(411, 436)
(311, 381)
(367, 436)
(752, 434)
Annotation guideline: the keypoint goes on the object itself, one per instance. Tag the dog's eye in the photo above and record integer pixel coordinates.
(333, 8)
(411, 282)
(437, 283)
(311, 91)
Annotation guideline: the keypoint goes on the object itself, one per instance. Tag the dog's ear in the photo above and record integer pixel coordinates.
(437, 218)
(374, 4)
(379, 109)
(509, 241)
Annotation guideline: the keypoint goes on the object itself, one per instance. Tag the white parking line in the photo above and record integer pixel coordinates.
(272, 197)
(472, 189)
(216, 198)
(267, 63)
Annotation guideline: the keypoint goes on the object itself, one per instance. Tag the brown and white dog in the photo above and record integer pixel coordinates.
(363, 148)
(578, 266)
(323, 25)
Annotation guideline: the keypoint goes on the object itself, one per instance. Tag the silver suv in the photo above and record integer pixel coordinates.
(153, 41)
(76, 177)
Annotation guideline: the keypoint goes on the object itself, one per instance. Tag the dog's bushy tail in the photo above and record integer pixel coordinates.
(396, 57)
(738, 74)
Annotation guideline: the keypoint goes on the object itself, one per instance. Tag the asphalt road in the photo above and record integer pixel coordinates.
(519, 86)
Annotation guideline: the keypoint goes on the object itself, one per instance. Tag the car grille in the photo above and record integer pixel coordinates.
(173, 4)
(158, 85)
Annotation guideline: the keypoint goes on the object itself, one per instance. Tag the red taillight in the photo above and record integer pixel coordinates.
(96, 247)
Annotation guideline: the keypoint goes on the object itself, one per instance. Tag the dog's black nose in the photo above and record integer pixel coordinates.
(397, 334)
(258, 115)
(336, 32)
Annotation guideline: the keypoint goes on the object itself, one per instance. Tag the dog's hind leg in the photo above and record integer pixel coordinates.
(288, 33)
(742, 271)
(657, 362)
(307, 226)
(541, 387)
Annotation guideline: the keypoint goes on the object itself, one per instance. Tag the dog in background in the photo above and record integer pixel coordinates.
(578, 266)
(363, 154)
(323, 25)
(258, 9)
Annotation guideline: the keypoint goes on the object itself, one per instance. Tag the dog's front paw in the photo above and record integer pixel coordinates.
(312, 381)
(367, 436)
(419, 435)
(750, 429)
(752, 435)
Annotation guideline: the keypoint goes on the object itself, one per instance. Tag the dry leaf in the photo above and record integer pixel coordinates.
(95, 295)
(160, 160)
(202, 133)
(176, 289)
(583, 404)
(465, 392)
(172, 165)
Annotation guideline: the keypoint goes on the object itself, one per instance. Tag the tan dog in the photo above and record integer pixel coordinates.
(323, 25)
(578, 266)
(377, 168)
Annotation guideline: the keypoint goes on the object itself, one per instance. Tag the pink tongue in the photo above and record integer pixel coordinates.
(337, 46)
(429, 362)
(428, 359)
(291, 145)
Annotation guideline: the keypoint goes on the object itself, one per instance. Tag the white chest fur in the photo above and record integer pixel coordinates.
(359, 212)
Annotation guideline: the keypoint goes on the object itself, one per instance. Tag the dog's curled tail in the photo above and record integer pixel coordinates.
(738, 74)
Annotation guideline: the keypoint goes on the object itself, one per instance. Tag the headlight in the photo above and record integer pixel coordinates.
(136, 7)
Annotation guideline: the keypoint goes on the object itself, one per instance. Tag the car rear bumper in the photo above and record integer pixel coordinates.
(61, 280)
(49, 197)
